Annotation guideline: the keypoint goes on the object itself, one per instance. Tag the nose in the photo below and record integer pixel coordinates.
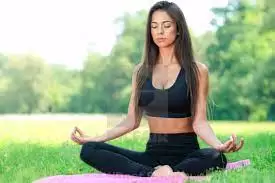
(160, 30)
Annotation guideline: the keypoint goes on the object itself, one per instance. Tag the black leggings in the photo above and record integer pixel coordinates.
(180, 151)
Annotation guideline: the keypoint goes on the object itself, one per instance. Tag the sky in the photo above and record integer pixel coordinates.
(63, 31)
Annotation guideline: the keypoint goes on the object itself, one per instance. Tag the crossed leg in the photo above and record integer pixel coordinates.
(195, 165)
(112, 159)
(201, 161)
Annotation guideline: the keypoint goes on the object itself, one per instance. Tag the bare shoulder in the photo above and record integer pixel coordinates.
(203, 78)
(203, 69)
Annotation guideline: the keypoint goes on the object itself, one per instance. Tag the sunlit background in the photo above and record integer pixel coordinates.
(63, 31)
(70, 63)
(78, 56)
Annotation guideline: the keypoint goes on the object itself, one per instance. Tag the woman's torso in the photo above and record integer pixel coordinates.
(167, 110)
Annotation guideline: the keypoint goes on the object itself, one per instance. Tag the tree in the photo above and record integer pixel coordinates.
(27, 80)
(242, 51)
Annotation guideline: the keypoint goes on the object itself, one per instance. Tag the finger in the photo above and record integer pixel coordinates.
(72, 135)
(81, 133)
(230, 146)
(240, 145)
(227, 144)
(234, 138)
(75, 139)
(73, 131)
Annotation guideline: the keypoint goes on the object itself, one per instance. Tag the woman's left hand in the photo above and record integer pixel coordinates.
(231, 145)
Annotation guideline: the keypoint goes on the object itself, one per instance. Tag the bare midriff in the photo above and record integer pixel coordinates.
(169, 125)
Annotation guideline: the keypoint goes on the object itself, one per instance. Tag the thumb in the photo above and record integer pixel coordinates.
(80, 131)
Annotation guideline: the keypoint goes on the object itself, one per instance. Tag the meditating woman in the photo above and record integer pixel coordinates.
(171, 89)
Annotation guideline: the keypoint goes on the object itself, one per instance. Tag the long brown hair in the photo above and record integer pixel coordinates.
(183, 53)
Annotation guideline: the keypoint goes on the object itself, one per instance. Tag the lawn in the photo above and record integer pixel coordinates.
(33, 149)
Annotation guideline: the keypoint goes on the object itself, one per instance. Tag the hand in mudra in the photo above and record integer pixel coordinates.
(82, 138)
(231, 145)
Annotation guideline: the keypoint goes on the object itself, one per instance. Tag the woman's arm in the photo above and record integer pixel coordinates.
(124, 127)
(200, 123)
(128, 124)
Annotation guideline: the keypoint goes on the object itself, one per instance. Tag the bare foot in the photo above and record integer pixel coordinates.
(164, 170)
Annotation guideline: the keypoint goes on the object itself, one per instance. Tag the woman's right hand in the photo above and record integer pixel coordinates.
(82, 138)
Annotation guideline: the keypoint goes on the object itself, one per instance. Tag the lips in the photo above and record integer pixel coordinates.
(161, 39)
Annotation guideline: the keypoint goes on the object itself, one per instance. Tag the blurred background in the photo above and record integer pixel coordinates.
(77, 57)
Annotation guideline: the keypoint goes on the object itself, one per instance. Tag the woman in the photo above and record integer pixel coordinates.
(171, 89)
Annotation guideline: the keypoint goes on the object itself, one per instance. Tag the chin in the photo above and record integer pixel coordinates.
(164, 45)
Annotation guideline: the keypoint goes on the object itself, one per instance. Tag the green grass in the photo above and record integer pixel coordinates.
(31, 150)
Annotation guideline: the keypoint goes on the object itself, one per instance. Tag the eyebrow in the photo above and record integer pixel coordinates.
(163, 21)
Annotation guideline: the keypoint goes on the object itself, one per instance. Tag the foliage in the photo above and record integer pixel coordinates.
(239, 54)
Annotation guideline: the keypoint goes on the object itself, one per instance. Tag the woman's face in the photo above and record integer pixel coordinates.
(163, 29)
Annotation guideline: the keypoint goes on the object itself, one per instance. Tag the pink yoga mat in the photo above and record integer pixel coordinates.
(117, 178)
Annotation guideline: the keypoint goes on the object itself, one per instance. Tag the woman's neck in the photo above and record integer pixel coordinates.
(166, 56)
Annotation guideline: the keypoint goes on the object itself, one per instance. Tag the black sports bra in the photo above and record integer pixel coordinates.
(168, 103)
